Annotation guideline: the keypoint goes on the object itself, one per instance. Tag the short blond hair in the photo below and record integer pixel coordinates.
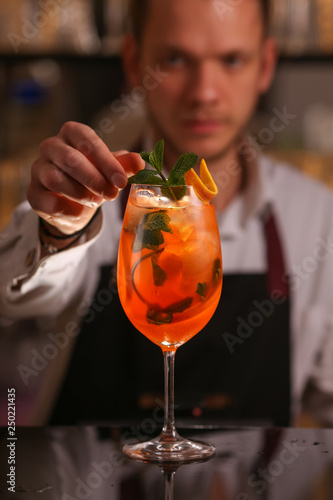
(138, 11)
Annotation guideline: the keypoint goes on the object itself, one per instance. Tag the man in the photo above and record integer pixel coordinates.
(202, 68)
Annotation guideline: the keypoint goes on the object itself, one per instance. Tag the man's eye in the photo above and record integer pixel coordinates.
(233, 62)
(174, 60)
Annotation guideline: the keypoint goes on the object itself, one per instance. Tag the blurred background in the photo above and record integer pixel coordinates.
(59, 61)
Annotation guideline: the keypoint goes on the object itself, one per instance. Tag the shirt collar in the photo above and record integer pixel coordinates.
(254, 200)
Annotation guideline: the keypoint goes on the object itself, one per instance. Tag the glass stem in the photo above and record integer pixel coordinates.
(169, 484)
(169, 430)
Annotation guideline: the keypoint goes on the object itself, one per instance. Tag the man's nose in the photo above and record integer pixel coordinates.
(204, 83)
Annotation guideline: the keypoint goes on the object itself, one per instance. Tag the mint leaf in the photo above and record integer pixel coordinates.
(174, 192)
(180, 306)
(158, 221)
(217, 269)
(145, 156)
(156, 156)
(147, 239)
(184, 163)
(146, 176)
(158, 317)
(149, 231)
(159, 274)
(202, 290)
(159, 154)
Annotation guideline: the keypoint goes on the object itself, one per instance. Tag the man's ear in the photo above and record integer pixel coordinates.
(130, 57)
(269, 61)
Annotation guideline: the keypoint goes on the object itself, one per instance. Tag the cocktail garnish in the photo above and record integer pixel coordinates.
(149, 233)
(155, 314)
(159, 274)
(158, 318)
(202, 290)
(181, 174)
(173, 186)
(164, 316)
(204, 186)
(217, 269)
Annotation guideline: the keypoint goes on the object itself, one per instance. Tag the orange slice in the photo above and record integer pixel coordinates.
(204, 186)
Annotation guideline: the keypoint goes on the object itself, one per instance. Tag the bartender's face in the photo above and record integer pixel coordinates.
(210, 64)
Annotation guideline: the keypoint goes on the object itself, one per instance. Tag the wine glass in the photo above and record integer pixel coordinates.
(169, 282)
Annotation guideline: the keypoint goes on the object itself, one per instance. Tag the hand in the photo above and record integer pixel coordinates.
(74, 174)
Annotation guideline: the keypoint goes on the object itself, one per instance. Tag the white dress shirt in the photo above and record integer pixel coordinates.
(51, 293)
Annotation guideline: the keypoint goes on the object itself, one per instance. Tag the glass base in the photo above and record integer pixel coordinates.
(169, 450)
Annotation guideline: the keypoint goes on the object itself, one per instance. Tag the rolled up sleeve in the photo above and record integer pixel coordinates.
(31, 286)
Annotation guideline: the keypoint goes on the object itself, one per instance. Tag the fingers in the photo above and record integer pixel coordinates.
(75, 173)
(55, 180)
(76, 166)
(83, 139)
(131, 162)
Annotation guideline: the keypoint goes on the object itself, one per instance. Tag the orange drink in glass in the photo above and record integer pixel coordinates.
(169, 283)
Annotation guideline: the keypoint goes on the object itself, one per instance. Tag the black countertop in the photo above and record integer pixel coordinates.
(86, 462)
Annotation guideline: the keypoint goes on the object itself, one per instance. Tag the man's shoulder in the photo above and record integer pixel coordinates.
(290, 183)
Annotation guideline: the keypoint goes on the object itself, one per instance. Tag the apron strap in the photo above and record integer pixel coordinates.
(276, 276)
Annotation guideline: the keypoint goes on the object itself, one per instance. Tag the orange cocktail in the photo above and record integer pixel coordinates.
(170, 265)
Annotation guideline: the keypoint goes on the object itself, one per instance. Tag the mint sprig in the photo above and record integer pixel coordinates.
(146, 176)
(155, 177)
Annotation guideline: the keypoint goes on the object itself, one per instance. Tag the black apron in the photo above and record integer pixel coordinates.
(237, 368)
